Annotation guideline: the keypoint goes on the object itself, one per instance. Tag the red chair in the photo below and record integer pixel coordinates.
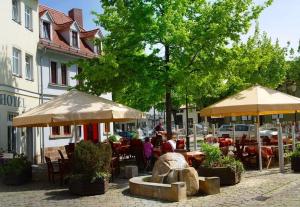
(136, 150)
(180, 144)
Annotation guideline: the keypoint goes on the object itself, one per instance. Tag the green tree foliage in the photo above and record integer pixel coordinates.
(257, 61)
(153, 47)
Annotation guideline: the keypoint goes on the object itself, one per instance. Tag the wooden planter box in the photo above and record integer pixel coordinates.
(13, 179)
(85, 188)
(226, 175)
(295, 164)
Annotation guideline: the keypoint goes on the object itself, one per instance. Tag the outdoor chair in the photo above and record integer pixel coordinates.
(114, 167)
(61, 154)
(180, 144)
(66, 163)
(70, 150)
(51, 170)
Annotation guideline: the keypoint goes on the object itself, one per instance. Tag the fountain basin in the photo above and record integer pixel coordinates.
(142, 186)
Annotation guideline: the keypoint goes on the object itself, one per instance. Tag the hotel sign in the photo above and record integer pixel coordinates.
(8, 100)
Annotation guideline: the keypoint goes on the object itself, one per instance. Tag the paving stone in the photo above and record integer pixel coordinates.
(279, 189)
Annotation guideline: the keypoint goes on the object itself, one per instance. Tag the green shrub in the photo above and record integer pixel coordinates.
(214, 158)
(296, 153)
(135, 135)
(15, 166)
(113, 138)
(91, 161)
(212, 155)
(235, 165)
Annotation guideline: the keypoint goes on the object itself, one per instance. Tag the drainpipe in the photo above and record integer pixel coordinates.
(42, 141)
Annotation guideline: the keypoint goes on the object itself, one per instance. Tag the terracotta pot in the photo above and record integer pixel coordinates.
(295, 164)
(86, 188)
(227, 175)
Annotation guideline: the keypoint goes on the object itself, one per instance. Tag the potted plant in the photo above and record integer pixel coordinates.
(295, 159)
(91, 168)
(215, 165)
(16, 171)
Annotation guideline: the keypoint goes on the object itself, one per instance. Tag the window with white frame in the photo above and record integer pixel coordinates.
(64, 76)
(53, 69)
(16, 10)
(60, 131)
(16, 62)
(28, 67)
(28, 17)
(75, 39)
(46, 31)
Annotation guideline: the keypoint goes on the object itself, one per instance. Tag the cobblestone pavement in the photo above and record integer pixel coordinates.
(267, 188)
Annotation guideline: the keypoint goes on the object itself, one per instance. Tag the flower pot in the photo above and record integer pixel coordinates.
(18, 179)
(86, 188)
(295, 164)
(227, 175)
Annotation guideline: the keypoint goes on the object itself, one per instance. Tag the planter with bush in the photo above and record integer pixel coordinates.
(91, 168)
(295, 159)
(16, 171)
(215, 165)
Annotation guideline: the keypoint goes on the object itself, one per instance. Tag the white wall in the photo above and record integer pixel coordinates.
(49, 91)
(15, 34)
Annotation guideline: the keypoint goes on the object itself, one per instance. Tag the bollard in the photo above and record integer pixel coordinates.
(195, 137)
(233, 134)
(259, 144)
(294, 138)
(280, 149)
(213, 130)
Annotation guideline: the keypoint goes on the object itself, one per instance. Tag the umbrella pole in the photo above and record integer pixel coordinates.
(259, 143)
(75, 133)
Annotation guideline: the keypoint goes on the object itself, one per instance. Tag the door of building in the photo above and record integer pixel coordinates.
(91, 132)
(11, 133)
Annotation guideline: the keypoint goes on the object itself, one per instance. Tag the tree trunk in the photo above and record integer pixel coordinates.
(168, 94)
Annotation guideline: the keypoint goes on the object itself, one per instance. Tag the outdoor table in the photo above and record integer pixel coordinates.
(193, 156)
(267, 152)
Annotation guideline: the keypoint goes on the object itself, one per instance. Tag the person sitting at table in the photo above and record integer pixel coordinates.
(172, 142)
(148, 152)
(159, 127)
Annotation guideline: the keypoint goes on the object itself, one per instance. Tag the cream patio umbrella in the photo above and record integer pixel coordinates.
(256, 100)
(75, 107)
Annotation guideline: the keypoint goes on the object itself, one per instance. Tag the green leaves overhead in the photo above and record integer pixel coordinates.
(198, 36)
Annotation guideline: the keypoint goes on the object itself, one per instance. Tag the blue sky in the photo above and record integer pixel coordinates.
(281, 20)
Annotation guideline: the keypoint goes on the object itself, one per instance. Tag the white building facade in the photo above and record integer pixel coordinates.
(63, 40)
(19, 78)
(36, 45)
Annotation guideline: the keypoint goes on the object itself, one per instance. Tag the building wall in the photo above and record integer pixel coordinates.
(48, 91)
(13, 87)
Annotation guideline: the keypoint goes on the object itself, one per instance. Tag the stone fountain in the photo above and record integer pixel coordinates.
(172, 179)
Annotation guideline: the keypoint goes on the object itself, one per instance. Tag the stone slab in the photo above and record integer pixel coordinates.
(209, 185)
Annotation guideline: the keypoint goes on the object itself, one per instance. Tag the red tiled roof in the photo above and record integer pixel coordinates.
(62, 21)
(88, 34)
(58, 17)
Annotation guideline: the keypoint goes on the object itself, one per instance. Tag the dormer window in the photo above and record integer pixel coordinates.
(46, 30)
(75, 39)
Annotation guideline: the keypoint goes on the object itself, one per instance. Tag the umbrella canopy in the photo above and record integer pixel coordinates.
(256, 100)
(75, 107)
